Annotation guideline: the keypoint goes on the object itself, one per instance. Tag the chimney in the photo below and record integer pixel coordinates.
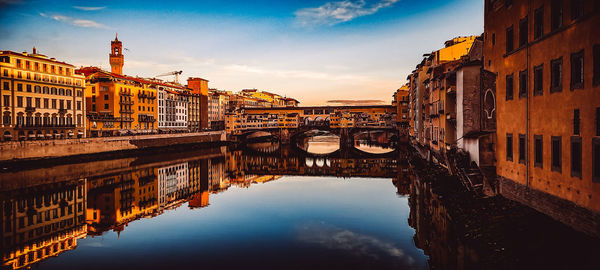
(34, 50)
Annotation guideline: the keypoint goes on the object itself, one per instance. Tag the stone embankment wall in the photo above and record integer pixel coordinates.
(567, 212)
(22, 150)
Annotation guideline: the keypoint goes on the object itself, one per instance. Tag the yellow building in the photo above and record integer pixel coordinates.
(119, 105)
(41, 98)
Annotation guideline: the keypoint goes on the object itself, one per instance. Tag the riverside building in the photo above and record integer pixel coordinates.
(546, 55)
(41, 98)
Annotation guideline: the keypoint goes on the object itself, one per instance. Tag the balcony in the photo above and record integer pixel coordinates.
(126, 102)
(126, 111)
(62, 111)
(125, 119)
(142, 95)
(36, 126)
(123, 93)
(29, 109)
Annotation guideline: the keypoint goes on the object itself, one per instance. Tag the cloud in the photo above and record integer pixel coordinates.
(356, 244)
(88, 8)
(332, 13)
(75, 21)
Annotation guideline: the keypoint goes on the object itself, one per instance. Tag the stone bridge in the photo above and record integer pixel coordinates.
(287, 123)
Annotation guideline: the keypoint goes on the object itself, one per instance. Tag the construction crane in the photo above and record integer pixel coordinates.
(176, 73)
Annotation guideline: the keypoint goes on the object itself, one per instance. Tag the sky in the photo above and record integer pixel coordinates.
(312, 50)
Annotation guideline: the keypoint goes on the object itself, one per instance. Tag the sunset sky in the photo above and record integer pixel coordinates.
(312, 50)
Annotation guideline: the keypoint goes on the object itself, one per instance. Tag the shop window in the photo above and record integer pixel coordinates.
(576, 122)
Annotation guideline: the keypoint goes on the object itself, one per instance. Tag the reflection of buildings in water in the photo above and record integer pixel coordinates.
(172, 183)
(217, 178)
(115, 200)
(41, 222)
(199, 200)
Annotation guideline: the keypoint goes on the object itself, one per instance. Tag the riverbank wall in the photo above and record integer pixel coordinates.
(45, 149)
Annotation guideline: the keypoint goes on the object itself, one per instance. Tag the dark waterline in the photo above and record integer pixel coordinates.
(267, 207)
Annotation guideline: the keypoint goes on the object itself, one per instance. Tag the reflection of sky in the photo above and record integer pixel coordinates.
(292, 223)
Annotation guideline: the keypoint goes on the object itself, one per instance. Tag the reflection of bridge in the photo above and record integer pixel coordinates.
(285, 160)
(289, 122)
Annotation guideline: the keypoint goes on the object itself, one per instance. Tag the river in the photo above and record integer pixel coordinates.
(267, 206)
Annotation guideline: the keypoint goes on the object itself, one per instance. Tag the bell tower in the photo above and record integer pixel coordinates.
(116, 56)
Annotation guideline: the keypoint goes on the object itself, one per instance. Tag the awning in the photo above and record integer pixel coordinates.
(40, 135)
(71, 133)
(7, 135)
(31, 135)
(48, 135)
(79, 133)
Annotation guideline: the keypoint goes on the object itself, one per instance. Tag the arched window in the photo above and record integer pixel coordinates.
(61, 91)
(46, 90)
(20, 119)
(6, 119)
(53, 90)
(37, 89)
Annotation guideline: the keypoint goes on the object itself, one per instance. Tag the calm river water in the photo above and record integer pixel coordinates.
(265, 206)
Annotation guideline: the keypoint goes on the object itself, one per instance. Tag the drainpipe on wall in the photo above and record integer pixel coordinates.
(527, 102)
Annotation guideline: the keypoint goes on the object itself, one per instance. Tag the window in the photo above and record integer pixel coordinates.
(508, 3)
(576, 122)
(598, 121)
(38, 102)
(596, 160)
(6, 101)
(93, 98)
(509, 39)
(576, 9)
(19, 101)
(556, 75)
(28, 87)
(556, 14)
(596, 79)
(106, 106)
(556, 154)
(538, 144)
(6, 86)
(577, 70)
(523, 84)
(19, 87)
(523, 33)
(509, 147)
(509, 87)
(522, 149)
(28, 101)
(68, 104)
(46, 103)
(538, 80)
(53, 103)
(105, 97)
(576, 156)
(494, 39)
(538, 23)
(78, 105)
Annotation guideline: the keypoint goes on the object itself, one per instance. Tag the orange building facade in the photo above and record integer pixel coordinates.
(546, 57)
